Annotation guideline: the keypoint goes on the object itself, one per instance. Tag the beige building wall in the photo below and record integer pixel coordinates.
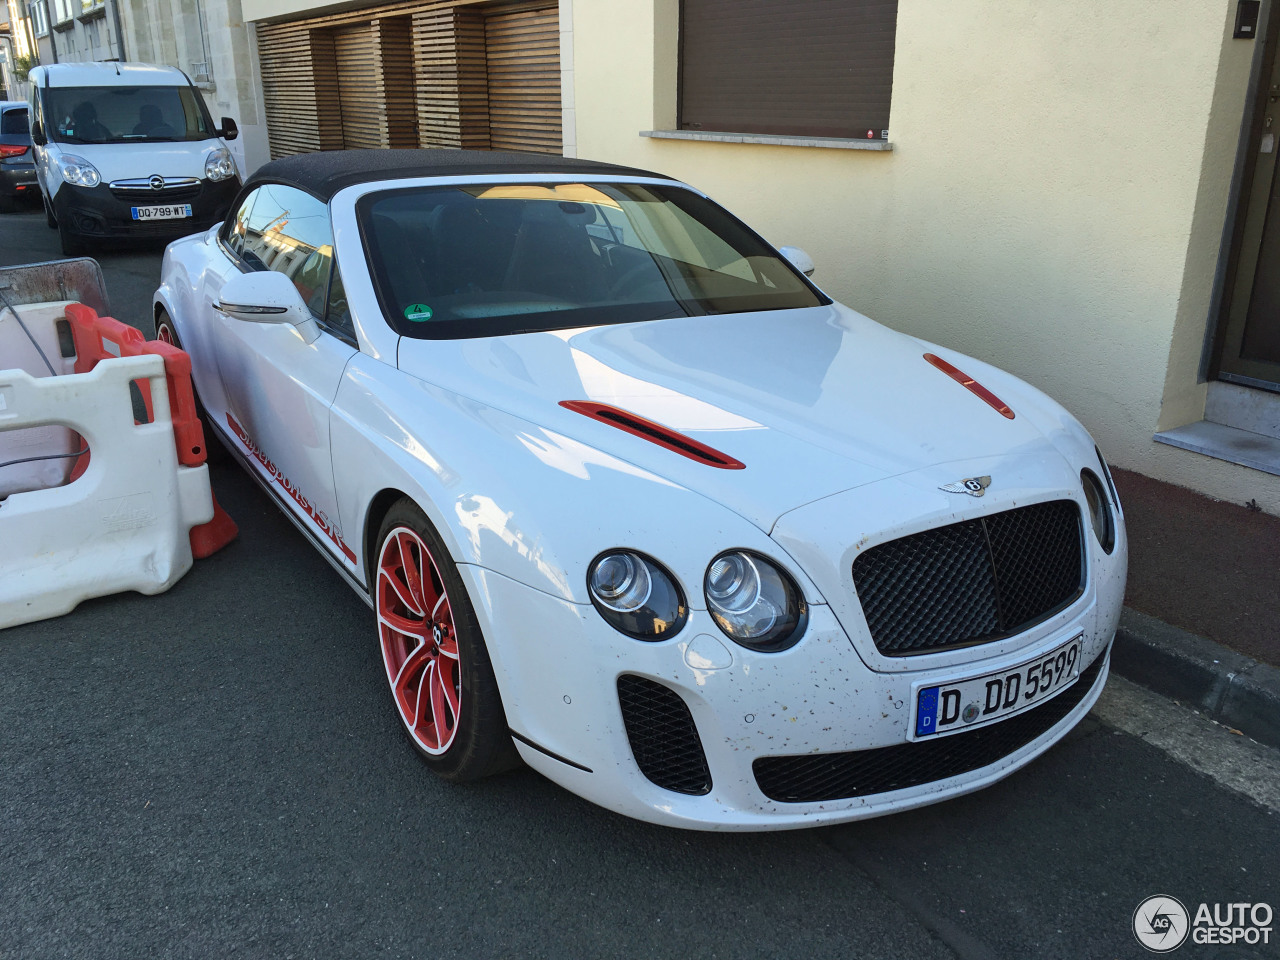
(170, 32)
(1053, 201)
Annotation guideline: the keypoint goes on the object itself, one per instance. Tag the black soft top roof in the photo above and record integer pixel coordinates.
(325, 173)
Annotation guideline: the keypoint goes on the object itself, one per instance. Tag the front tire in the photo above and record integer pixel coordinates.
(72, 242)
(214, 451)
(437, 665)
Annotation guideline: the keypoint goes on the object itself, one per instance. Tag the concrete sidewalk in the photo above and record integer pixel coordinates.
(1202, 609)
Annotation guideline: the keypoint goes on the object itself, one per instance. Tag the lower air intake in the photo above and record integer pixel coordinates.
(664, 739)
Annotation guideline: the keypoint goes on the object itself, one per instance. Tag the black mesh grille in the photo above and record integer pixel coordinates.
(838, 776)
(971, 582)
(664, 739)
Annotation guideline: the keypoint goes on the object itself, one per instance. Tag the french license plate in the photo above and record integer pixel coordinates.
(965, 704)
(174, 211)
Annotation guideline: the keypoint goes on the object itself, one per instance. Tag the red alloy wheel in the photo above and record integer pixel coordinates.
(165, 332)
(419, 641)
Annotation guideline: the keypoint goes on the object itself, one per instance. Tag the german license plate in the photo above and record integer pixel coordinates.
(174, 211)
(965, 704)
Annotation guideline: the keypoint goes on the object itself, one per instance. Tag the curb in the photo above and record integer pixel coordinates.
(1226, 686)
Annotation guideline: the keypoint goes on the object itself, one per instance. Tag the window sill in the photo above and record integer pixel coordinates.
(776, 140)
(63, 26)
(96, 13)
(1221, 442)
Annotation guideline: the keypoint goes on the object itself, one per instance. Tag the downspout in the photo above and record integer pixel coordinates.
(115, 15)
(48, 22)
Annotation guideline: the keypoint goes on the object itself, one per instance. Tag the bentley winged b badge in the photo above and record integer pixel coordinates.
(973, 486)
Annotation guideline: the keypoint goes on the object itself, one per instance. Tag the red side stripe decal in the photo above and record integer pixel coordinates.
(315, 516)
(663, 436)
(972, 385)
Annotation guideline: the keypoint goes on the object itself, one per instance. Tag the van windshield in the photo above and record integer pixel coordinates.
(125, 114)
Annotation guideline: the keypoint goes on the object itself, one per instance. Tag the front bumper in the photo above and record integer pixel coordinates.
(101, 212)
(559, 682)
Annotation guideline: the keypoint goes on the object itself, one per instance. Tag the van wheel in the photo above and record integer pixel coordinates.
(72, 243)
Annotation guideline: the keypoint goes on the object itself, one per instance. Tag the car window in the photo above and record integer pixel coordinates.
(288, 231)
(14, 122)
(125, 114)
(235, 232)
(470, 261)
(337, 315)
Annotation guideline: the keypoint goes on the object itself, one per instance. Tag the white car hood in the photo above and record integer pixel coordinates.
(133, 161)
(812, 401)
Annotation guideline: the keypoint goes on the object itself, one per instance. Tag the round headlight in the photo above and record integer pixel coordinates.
(79, 171)
(1099, 509)
(219, 165)
(754, 601)
(636, 595)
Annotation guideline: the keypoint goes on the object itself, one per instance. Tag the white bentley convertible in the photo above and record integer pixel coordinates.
(634, 502)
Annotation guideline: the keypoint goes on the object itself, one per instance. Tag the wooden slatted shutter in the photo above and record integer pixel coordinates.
(452, 84)
(523, 54)
(439, 73)
(297, 75)
(359, 104)
(396, 82)
(804, 67)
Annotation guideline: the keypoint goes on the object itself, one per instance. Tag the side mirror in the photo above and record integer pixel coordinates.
(37, 134)
(267, 297)
(229, 129)
(798, 259)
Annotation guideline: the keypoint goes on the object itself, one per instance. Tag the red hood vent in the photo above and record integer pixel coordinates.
(653, 432)
(972, 385)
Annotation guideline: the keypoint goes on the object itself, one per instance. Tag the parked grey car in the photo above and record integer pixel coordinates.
(17, 165)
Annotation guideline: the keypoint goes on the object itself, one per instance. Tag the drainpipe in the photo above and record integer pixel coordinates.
(115, 15)
(48, 22)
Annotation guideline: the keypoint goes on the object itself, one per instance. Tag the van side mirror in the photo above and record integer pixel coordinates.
(37, 134)
(798, 259)
(229, 129)
(266, 296)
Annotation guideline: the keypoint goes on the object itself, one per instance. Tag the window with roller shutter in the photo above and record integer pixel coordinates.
(818, 68)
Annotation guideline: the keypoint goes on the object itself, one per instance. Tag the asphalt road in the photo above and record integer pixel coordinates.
(218, 772)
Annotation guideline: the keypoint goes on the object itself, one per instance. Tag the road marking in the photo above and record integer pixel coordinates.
(1236, 762)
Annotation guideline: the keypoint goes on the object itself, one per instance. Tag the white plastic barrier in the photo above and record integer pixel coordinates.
(41, 447)
(124, 524)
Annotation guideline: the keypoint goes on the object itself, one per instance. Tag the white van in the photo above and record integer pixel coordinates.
(127, 150)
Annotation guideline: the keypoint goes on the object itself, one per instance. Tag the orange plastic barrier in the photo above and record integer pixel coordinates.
(99, 338)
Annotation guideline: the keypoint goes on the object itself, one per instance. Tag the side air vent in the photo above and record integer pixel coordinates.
(664, 739)
(653, 432)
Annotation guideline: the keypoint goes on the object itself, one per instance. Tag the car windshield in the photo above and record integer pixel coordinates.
(125, 114)
(470, 261)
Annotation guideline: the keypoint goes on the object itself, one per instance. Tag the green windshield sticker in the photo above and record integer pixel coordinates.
(417, 312)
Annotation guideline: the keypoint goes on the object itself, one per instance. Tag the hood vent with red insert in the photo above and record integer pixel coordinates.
(653, 432)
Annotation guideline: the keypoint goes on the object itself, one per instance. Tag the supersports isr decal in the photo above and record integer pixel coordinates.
(317, 516)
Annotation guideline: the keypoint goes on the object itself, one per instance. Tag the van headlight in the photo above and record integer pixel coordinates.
(219, 165)
(78, 171)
